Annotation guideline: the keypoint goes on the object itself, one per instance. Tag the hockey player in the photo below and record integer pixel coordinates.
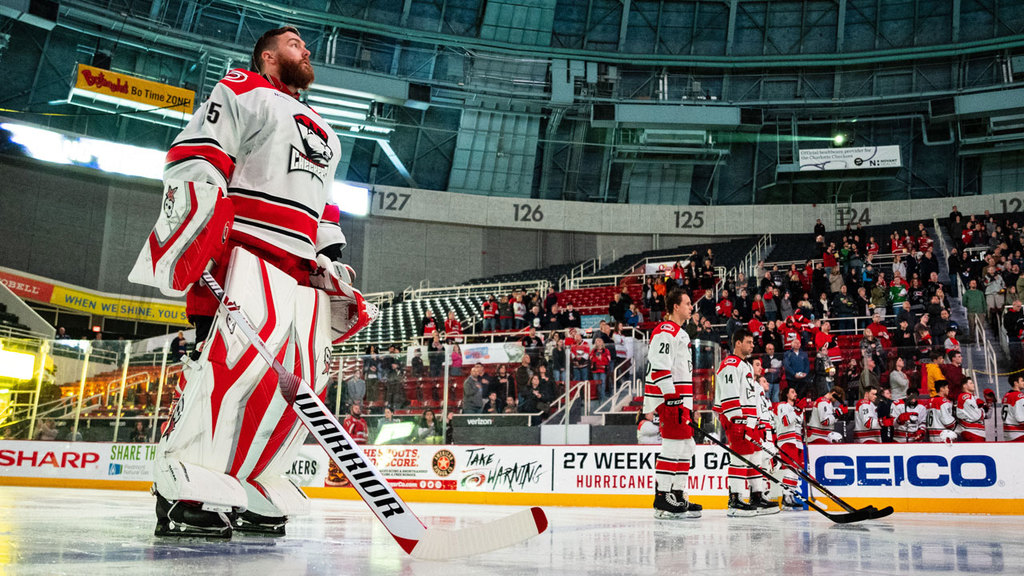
(246, 188)
(866, 428)
(736, 401)
(909, 417)
(766, 422)
(789, 428)
(668, 389)
(941, 421)
(1013, 410)
(822, 420)
(970, 414)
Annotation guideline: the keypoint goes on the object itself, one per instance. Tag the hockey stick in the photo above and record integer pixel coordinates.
(799, 470)
(410, 533)
(838, 518)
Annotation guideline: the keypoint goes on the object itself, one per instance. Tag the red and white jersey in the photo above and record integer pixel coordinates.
(940, 418)
(273, 155)
(822, 420)
(356, 428)
(952, 345)
(765, 416)
(736, 392)
(908, 423)
(669, 366)
(724, 308)
(788, 423)
(453, 329)
(1013, 414)
(969, 416)
(490, 309)
(866, 427)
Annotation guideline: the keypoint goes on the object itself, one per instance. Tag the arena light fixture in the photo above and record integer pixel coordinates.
(52, 146)
(351, 199)
(329, 112)
(339, 102)
(839, 139)
(16, 365)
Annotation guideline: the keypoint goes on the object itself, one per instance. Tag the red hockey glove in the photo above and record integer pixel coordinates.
(843, 409)
(903, 418)
(755, 435)
(675, 402)
(887, 422)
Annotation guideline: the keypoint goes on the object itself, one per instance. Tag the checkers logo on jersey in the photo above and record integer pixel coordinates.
(444, 463)
(315, 153)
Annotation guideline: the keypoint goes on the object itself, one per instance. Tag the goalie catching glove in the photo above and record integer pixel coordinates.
(350, 313)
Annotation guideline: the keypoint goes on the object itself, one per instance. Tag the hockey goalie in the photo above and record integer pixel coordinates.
(245, 196)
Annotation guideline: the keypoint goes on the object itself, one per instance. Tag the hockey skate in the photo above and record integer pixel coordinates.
(189, 520)
(673, 506)
(790, 502)
(737, 507)
(692, 510)
(763, 506)
(252, 523)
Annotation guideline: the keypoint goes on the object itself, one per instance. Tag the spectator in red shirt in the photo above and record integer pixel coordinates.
(878, 330)
(429, 325)
(872, 247)
(452, 328)
(355, 425)
(600, 360)
(490, 314)
(724, 307)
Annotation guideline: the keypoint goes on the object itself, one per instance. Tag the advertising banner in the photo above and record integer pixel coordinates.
(107, 85)
(93, 302)
(663, 267)
(850, 158)
(971, 478)
(977, 470)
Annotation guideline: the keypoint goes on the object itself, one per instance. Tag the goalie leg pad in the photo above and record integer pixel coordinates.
(176, 480)
(231, 415)
(275, 497)
(193, 228)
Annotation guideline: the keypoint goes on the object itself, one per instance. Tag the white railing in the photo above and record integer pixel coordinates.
(756, 254)
(606, 279)
(579, 271)
(541, 286)
(989, 354)
(379, 298)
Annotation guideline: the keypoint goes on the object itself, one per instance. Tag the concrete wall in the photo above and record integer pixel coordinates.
(85, 228)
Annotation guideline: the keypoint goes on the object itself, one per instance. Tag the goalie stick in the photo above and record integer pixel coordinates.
(799, 470)
(866, 513)
(411, 534)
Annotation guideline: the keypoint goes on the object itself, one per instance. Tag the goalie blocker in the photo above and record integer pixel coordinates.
(192, 230)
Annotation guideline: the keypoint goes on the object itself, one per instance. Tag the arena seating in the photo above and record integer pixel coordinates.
(550, 273)
(401, 321)
(727, 254)
(801, 247)
(8, 320)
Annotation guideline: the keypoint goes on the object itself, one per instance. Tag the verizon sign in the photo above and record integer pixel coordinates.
(866, 158)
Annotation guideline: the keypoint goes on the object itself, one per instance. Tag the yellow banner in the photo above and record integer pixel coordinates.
(124, 87)
(127, 308)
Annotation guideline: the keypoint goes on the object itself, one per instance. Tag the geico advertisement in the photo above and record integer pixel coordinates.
(972, 470)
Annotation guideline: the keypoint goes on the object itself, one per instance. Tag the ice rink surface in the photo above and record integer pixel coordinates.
(85, 532)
